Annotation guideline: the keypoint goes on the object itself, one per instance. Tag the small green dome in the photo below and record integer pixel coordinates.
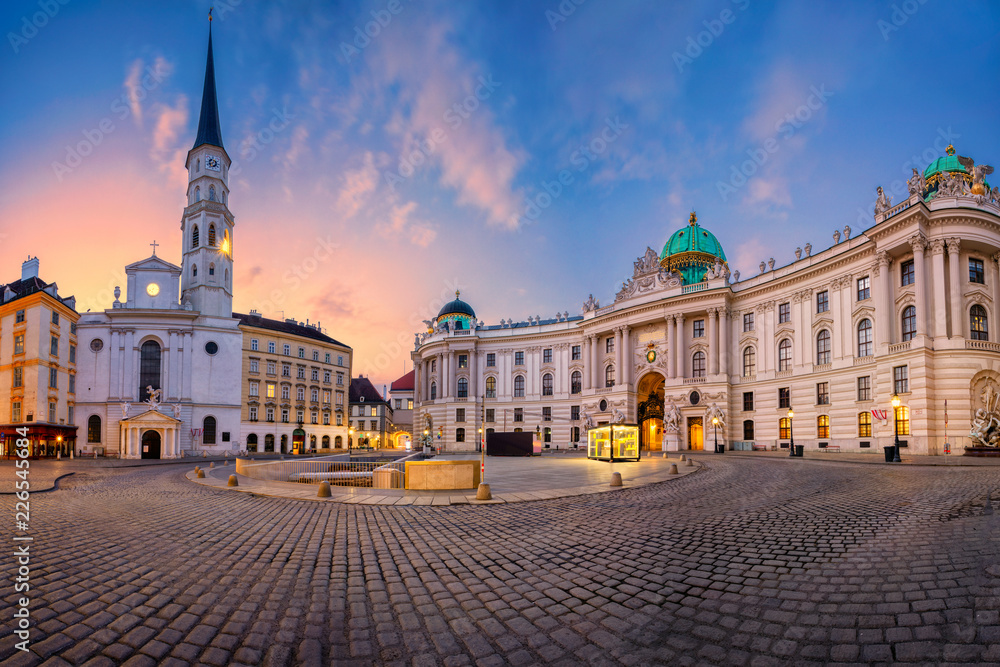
(947, 162)
(458, 312)
(691, 251)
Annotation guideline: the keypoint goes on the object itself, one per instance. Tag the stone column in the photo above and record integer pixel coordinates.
(671, 346)
(626, 355)
(129, 377)
(588, 365)
(765, 352)
(938, 319)
(955, 288)
(473, 374)
(724, 341)
(681, 350)
(837, 333)
(883, 305)
(918, 242)
(187, 339)
(417, 389)
(595, 343)
(713, 341)
(995, 270)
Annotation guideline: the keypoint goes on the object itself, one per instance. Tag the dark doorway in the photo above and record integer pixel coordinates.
(150, 445)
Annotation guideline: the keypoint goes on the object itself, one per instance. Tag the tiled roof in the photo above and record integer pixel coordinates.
(404, 383)
(362, 387)
(24, 287)
(255, 320)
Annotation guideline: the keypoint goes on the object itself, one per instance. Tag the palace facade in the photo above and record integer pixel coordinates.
(816, 349)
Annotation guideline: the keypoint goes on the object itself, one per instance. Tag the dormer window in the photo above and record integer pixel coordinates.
(211, 235)
(195, 241)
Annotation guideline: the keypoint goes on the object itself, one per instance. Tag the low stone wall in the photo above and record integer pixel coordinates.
(441, 475)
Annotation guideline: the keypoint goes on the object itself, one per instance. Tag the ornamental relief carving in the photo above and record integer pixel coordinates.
(648, 276)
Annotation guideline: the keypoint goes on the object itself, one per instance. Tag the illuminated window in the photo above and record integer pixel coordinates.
(903, 420)
(463, 361)
(977, 323)
(823, 426)
(270, 390)
(864, 424)
(19, 344)
(784, 428)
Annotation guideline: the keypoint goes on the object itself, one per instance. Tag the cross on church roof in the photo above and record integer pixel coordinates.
(154, 244)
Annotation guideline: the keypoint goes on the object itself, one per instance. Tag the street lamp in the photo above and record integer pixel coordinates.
(350, 440)
(895, 422)
(791, 434)
(715, 431)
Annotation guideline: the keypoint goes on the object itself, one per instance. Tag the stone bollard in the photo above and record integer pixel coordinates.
(684, 457)
(690, 463)
(58, 456)
(664, 453)
(673, 469)
(212, 464)
(71, 452)
(233, 481)
(324, 490)
(204, 455)
(616, 479)
(483, 492)
(199, 473)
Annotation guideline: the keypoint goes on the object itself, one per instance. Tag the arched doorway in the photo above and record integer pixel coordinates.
(284, 443)
(269, 442)
(649, 394)
(151, 445)
(696, 433)
(298, 441)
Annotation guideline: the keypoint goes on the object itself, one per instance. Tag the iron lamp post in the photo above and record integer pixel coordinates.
(715, 431)
(895, 424)
(791, 433)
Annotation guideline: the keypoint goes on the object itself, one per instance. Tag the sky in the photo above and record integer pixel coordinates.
(389, 153)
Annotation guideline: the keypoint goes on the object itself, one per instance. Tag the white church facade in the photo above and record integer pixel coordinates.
(816, 350)
(157, 373)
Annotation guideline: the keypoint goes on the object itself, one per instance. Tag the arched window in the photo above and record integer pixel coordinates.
(609, 376)
(823, 426)
(865, 338)
(785, 355)
(749, 361)
(909, 322)
(312, 442)
(208, 434)
(252, 442)
(197, 166)
(977, 323)
(459, 435)
(326, 442)
(194, 270)
(491, 387)
(195, 241)
(519, 386)
(748, 429)
(784, 428)
(197, 194)
(94, 429)
(576, 382)
(463, 388)
(211, 235)
(211, 269)
(864, 424)
(434, 390)
(211, 193)
(149, 368)
(547, 384)
(338, 442)
(698, 364)
(823, 347)
(269, 442)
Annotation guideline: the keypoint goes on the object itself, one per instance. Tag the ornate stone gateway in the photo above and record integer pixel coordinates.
(650, 412)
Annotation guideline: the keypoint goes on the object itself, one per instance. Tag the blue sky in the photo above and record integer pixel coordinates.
(646, 110)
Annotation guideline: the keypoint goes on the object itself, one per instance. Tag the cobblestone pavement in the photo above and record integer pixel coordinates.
(745, 562)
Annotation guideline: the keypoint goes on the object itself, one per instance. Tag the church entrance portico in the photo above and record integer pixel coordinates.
(150, 435)
(150, 445)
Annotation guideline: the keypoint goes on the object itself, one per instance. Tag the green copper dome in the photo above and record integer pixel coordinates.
(459, 313)
(691, 251)
(947, 162)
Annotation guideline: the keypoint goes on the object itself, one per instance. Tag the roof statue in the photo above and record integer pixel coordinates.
(882, 203)
(917, 185)
(591, 304)
(979, 174)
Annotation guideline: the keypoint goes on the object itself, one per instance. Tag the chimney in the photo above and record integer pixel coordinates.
(29, 269)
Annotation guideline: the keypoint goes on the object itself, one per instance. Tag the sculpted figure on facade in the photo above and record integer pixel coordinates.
(917, 184)
(669, 278)
(715, 412)
(882, 202)
(979, 173)
(736, 276)
(154, 396)
(985, 431)
(126, 406)
(591, 304)
(588, 421)
(672, 418)
(617, 416)
(177, 410)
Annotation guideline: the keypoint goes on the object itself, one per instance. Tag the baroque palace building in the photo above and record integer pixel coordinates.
(814, 350)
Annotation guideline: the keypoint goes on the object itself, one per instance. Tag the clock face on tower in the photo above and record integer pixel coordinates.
(212, 162)
(152, 289)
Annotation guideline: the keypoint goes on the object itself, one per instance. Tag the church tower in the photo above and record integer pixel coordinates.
(207, 223)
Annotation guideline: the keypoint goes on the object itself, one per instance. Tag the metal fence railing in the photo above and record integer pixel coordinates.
(370, 472)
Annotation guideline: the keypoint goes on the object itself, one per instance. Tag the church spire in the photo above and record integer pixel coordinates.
(209, 131)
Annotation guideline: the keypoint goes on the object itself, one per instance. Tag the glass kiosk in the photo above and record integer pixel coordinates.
(613, 442)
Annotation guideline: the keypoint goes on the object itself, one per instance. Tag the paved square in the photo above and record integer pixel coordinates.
(750, 561)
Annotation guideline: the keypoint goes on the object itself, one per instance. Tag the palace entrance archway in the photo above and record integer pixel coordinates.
(649, 394)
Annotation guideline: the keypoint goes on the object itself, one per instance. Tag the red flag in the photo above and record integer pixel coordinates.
(946, 413)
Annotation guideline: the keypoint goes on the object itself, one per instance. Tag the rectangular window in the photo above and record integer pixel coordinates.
(340, 419)
(314, 417)
(253, 413)
(463, 361)
(433, 365)
(823, 426)
(52, 411)
(18, 376)
(315, 355)
(903, 420)
(372, 412)
(19, 317)
(254, 366)
(575, 435)
(340, 379)
(747, 321)
(270, 368)
(864, 288)
(976, 271)
(254, 344)
(327, 358)
(864, 424)
(270, 414)
(53, 378)
(314, 375)
(519, 414)
(300, 393)
(823, 393)
(575, 353)
(547, 356)
(784, 398)
(270, 346)
(54, 346)
(72, 354)
(284, 415)
(609, 345)
(699, 328)
(286, 370)
(302, 353)
(460, 414)
(255, 388)
(490, 415)
(491, 359)
(285, 392)
(69, 414)
(784, 428)
(72, 330)
(906, 273)
(72, 384)
(15, 411)
(865, 388)
(398, 405)
(326, 377)
(326, 419)
(519, 358)
(748, 429)
(340, 398)
(55, 318)
(270, 390)
(784, 312)
(19, 344)
(748, 401)
(546, 414)
(574, 413)
(300, 373)
(286, 349)
(900, 380)
(314, 395)
(409, 404)
(822, 301)
(340, 361)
